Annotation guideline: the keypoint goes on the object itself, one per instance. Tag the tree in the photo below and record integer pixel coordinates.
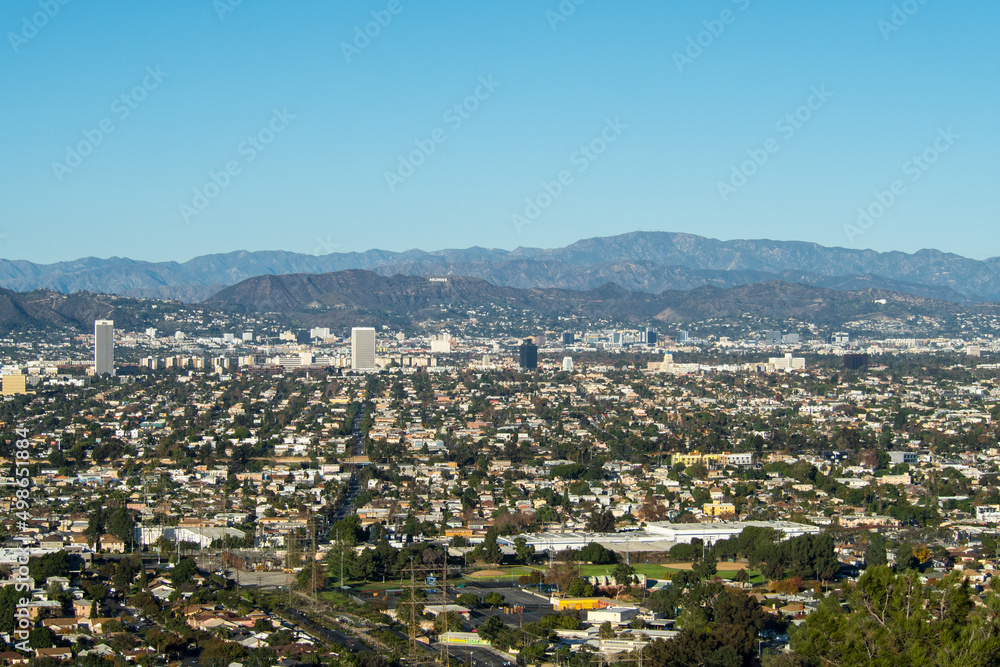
(533, 578)
(449, 622)
(313, 571)
(524, 551)
(183, 572)
(875, 552)
(707, 568)
(50, 565)
(491, 628)
(580, 588)
(624, 575)
(596, 553)
(562, 575)
(601, 522)
(489, 550)
(895, 619)
(697, 471)
(469, 600)
(606, 631)
(122, 525)
(41, 638)
(493, 599)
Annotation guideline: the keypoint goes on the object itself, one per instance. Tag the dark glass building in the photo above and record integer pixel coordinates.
(528, 353)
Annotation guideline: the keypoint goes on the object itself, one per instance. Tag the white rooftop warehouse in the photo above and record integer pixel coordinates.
(658, 536)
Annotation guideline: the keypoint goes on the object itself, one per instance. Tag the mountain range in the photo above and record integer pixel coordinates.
(646, 262)
(358, 297)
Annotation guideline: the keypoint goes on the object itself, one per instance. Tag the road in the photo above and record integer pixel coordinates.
(346, 508)
(326, 633)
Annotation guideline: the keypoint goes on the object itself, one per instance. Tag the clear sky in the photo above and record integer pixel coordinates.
(122, 118)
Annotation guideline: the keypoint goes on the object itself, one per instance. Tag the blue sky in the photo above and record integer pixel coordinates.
(163, 131)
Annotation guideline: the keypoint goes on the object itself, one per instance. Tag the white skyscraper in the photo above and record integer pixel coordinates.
(567, 363)
(104, 347)
(363, 348)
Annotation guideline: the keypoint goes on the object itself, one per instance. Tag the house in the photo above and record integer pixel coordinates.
(61, 626)
(13, 658)
(97, 624)
(137, 654)
(113, 544)
(161, 591)
(82, 608)
(57, 653)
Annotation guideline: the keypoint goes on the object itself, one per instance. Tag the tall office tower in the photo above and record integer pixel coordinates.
(567, 363)
(528, 353)
(568, 338)
(363, 348)
(104, 347)
(650, 337)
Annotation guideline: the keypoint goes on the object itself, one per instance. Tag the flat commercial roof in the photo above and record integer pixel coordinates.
(659, 536)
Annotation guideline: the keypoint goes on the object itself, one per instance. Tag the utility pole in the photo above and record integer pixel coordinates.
(444, 606)
(413, 613)
(312, 564)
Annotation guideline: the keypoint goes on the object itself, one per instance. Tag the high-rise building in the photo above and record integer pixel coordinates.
(568, 338)
(650, 337)
(104, 347)
(441, 344)
(363, 348)
(528, 354)
(567, 363)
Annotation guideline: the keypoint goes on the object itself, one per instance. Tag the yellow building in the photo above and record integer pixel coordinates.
(14, 384)
(577, 604)
(719, 509)
(458, 532)
(693, 458)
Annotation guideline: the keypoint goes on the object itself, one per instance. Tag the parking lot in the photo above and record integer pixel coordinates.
(535, 607)
(475, 655)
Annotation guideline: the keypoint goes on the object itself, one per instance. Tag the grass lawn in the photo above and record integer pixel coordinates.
(492, 574)
(656, 571)
(651, 570)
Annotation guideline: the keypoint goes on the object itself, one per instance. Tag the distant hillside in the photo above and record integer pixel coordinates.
(48, 309)
(355, 297)
(651, 262)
